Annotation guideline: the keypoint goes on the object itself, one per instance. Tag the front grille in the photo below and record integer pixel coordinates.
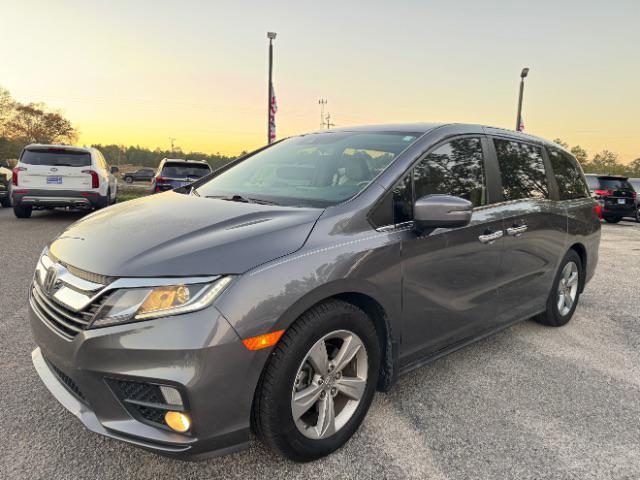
(68, 382)
(61, 319)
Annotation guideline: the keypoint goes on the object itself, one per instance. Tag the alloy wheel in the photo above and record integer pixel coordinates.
(329, 384)
(567, 288)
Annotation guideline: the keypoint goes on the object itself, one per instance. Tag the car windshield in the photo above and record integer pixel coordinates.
(317, 170)
(183, 170)
(614, 184)
(56, 157)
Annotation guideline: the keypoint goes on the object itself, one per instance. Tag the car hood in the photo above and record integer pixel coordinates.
(172, 234)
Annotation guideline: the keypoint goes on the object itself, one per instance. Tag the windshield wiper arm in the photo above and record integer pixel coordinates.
(240, 198)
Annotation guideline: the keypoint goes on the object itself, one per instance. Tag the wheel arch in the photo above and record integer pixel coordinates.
(580, 249)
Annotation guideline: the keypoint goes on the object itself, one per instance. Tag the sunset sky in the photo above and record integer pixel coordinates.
(142, 72)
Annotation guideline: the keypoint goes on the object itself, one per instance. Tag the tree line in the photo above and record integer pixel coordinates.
(604, 162)
(25, 123)
(22, 124)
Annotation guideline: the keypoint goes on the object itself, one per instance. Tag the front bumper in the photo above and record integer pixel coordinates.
(58, 198)
(199, 353)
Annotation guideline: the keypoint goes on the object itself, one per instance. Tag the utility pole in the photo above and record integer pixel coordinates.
(322, 103)
(172, 144)
(523, 75)
(271, 36)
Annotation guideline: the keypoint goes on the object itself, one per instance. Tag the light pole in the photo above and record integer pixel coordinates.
(523, 75)
(271, 36)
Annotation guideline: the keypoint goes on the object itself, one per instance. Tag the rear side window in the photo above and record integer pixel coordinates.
(454, 168)
(183, 170)
(592, 181)
(522, 170)
(56, 158)
(565, 169)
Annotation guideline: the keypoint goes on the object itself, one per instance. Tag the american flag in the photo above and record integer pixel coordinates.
(272, 116)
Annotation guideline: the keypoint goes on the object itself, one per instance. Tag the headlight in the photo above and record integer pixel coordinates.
(129, 304)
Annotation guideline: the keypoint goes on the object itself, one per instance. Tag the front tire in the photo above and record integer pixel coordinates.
(565, 293)
(318, 383)
(22, 212)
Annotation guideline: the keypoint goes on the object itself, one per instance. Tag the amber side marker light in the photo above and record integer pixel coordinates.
(263, 341)
(177, 421)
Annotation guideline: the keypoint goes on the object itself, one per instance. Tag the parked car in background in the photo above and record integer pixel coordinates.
(615, 194)
(5, 182)
(142, 175)
(175, 173)
(635, 183)
(277, 294)
(49, 176)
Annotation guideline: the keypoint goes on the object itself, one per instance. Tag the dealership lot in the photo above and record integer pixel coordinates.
(529, 402)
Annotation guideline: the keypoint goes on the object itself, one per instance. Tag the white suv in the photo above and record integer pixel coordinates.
(49, 176)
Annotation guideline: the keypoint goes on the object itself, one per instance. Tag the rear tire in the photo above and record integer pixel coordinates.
(565, 287)
(331, 328)
(22, 212)
(612, 219)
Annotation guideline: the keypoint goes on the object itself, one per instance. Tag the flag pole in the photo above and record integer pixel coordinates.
(271, 36)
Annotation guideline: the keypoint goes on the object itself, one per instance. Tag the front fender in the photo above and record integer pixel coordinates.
(271, 297)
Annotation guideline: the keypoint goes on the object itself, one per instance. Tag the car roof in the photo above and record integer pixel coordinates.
(72, 148)
(613, 177)
(424, 127)
(182, 160)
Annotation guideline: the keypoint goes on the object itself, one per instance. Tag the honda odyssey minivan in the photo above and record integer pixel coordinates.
(278, 293)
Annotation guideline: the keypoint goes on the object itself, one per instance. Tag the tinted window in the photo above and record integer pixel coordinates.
(568, 176)
(318, 169)
(397, 205)
(522, 170)
(592, 181)
(614, 184)
(183, 170)
(455, 168)
(56, 158)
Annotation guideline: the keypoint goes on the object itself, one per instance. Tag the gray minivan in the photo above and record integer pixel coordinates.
(278, 293)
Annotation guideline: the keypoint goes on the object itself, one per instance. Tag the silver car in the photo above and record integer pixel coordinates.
(277, 294)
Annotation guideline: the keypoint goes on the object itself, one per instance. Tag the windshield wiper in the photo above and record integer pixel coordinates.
(241, 199)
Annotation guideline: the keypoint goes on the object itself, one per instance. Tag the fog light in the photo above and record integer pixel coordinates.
(177, 421)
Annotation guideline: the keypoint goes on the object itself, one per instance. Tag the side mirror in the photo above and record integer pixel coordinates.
(114, 170)
(433, 211)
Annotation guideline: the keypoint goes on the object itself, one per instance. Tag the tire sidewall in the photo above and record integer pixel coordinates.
(552, 306)
(355, 321)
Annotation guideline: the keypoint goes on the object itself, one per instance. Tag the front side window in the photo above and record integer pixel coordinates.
(565, 169)
(522, 170)
(455, 168)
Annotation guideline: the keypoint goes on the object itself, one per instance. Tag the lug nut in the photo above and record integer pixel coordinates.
(338, 375)
(334, 391)
(320, 381)
(323, 394)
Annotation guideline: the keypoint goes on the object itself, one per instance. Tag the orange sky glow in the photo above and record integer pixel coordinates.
(140, 73)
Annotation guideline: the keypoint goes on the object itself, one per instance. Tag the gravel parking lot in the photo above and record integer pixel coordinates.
(529, 402)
